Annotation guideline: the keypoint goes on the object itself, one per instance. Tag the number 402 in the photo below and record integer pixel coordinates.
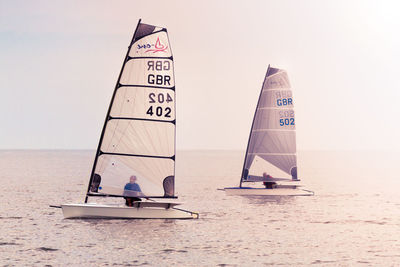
(159, 111)
(160, 98)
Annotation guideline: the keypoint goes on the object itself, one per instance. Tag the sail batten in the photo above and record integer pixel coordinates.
(130, 58)
(140, 119)
(138, 137)
(138, 155)
(272, 140)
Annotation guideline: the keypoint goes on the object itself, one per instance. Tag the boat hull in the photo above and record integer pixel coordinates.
(92, 210)
(281, 190)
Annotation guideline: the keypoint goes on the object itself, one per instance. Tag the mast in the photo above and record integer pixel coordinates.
(244, 173)
(108, 113)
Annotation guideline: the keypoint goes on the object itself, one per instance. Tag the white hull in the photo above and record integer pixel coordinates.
(280, 190)
(151, 211)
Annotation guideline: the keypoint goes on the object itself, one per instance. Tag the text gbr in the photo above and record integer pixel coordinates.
(158, 65)
(284, 98)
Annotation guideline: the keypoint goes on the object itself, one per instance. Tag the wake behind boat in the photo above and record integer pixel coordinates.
(271, 150)
(135, 158)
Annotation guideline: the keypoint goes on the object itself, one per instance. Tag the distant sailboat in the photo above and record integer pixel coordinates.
(138, 137)
(271, 151)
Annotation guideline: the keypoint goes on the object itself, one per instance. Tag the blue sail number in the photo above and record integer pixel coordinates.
(284, 102)
(289, 121)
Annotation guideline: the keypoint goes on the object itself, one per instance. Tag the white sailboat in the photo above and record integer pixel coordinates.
(135, 158)
(271, 157)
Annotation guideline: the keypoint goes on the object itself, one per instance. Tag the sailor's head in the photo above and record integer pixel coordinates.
(265, 175)
(133, 178)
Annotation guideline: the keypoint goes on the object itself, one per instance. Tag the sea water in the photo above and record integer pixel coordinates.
(353, 218)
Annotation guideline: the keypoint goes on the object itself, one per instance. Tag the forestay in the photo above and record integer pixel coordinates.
(138, 137)
(272, 141)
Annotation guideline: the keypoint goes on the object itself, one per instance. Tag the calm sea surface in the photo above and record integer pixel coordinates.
(353, 219)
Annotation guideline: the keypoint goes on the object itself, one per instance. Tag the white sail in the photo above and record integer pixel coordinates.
(272, 142)
(138, 137)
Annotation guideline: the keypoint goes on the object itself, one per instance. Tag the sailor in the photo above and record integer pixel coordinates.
(268, 185)
(94, 187)
(132, 191)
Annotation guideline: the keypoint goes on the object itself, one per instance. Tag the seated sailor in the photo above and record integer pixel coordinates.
(94, 187)
(132, 191)
(268, 185)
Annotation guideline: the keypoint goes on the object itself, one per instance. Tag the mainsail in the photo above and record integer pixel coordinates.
(272, 142)
(138, 137)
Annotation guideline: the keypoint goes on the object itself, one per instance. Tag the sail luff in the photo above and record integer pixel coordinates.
(244, 175)
(108, 112)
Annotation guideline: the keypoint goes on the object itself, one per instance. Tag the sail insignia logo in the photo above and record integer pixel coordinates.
(153, 48)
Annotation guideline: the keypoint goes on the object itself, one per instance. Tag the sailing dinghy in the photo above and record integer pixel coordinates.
(138, 137)
(271, 158)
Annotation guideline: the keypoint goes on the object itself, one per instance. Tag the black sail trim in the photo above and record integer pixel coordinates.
(170, 58)
(139, 119)
(135, 40)
(137, 155)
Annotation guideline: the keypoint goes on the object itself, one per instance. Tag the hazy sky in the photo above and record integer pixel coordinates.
(59, 61)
